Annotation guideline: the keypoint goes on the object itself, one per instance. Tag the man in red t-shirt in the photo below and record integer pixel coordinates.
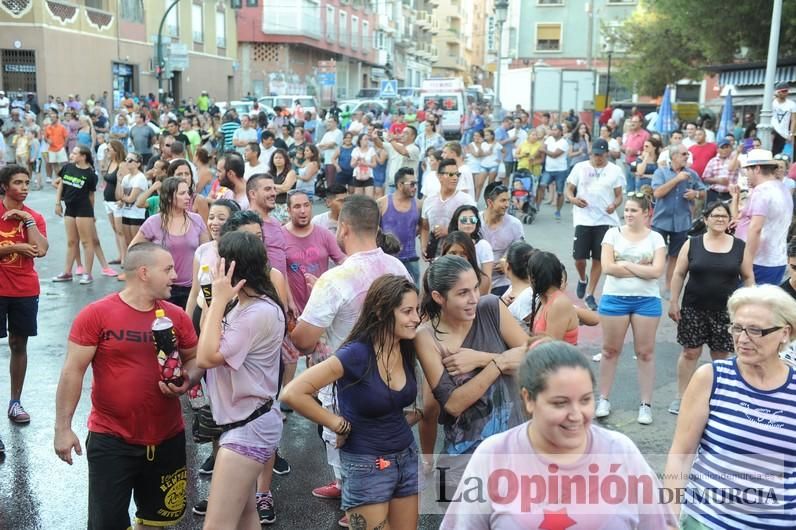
(702, 151)
(136, 442)
(23, 237)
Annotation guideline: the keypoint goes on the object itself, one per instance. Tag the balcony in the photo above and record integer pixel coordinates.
(386, 25)
(434, 25)
(434, 55)
(423, 20)
(433, 3)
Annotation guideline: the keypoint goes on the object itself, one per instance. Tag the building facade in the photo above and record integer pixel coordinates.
(450, 40)
(58, 47)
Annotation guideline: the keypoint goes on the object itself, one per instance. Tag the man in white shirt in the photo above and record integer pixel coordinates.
(438, 209)
(356, 125)
(244, 135)
(500, 230)
(267, 148)
(555, 148)
(453, 150)
(676, 139)
(401, 152)
(251, 154)
(782, 118)
(690, 135)
(5, 106)
(594, 187)
(330, 141)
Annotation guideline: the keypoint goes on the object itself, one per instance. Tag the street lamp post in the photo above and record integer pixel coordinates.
(764, 129)
(159, 51)
(501, 13)
(608, 80)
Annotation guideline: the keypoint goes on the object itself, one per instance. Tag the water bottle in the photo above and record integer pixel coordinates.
(206, 283)
(166, 344)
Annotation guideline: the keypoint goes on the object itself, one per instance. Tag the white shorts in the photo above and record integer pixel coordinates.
(112, 208)
(57, 157)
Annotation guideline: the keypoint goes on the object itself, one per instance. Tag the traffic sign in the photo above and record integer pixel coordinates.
(327, 78)
(389, 89)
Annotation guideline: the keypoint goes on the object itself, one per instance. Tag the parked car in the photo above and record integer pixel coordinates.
(308, 103)
(246, 107)
(374, 106)
(367, 93)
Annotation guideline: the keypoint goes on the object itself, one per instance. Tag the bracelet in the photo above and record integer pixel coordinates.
(343, 427)
(30, 223)
(498, 367)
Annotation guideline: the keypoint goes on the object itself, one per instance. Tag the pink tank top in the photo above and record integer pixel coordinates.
(540, 324)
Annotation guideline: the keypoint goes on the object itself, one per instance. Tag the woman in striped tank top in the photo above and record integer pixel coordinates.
(737, 427)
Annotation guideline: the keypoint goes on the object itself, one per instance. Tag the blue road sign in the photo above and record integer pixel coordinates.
(327, 78)
(389, 89)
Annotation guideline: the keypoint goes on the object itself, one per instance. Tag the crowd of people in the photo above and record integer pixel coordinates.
(409, 303)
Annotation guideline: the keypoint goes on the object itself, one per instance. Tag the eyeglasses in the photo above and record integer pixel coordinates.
(456, 174)
(468, 219)
(752, 331)
(497, 190)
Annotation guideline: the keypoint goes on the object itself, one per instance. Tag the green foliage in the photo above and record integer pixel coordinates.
(668, 40)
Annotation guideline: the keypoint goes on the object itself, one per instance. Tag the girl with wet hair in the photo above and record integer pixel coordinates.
(519, 297)
(373, 372)
(461, 244)
(469, 347)
(561, 441)
(240, 348)
(552, 312)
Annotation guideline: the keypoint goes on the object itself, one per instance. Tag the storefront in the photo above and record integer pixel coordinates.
(123, 82)
(19, 70)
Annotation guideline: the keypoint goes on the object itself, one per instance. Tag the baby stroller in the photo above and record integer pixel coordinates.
(522, 205)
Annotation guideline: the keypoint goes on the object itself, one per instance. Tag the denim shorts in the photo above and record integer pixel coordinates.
(559, 177)
(620, 306)
(365, 482)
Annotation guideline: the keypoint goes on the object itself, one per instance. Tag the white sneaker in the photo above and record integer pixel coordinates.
(603, 408)
(645, 414)
(597, 357)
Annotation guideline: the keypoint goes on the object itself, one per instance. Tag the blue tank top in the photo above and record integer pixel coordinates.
(403, 225)
(345, 160)
(749, 443)
(380, 172)
(84, 138)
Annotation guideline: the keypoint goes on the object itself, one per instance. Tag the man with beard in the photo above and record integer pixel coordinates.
(336, 302)
(23, 238)
(230, 170)
(400, 216)
(261, 193)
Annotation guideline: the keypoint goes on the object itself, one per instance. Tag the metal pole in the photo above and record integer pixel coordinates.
(159, 51)
(498, 99)
(764, 129)
(608, 82)
(590, 46)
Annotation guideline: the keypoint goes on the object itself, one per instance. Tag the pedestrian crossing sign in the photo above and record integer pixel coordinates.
(388, 89)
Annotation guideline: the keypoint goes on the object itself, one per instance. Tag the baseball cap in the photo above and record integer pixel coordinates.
(599, 147)
(724, 142)
(782, 85)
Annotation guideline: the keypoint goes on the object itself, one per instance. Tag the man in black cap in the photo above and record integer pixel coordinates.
(594, 187)
(782, 120)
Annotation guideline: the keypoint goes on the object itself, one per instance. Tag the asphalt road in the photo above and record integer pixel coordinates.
(38, 491)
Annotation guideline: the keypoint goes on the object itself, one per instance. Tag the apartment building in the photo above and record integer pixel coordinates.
(82, 47)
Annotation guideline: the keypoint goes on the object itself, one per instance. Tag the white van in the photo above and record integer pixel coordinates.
(308, 103)
(449, 96)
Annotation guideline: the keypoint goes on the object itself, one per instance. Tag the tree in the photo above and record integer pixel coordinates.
(670, 40)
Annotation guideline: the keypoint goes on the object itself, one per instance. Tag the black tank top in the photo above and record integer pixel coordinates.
(109, 193)
(712, 277)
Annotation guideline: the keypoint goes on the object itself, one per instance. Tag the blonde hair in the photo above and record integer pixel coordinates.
(781, 304)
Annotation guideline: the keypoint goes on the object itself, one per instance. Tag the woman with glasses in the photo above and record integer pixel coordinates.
(633, 258)
(714, 263)
(738, 418)
(466, 219)
(460, 244)
(127, 191)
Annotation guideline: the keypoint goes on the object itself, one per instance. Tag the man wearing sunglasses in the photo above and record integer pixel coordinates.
(594, 187)
(437, 210)
(400, 216)
(783, 120)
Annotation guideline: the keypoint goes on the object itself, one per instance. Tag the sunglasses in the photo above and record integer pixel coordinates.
(636, 194)
(468, 219)
(410, 183)
(457, 174)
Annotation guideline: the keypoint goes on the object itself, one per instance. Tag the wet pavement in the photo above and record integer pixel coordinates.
(38, 491)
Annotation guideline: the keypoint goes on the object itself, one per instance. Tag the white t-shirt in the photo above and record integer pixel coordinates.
(688, 142)
(247, 135)
(265, 156)
(483, 252)
(491, 160)
(254, 170)
(325, 220)
(640, 252)
(102, 150)
(781, 116)
(5, 107)
(130, 183)
(431, 184)
(396, 160)
(466, 181)
(521, 307)
(329, 137)
(439, 212)
(552, 145)
(596, 187)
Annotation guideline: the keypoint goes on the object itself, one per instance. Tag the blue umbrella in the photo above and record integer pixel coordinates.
(725, 124)
(665, 123)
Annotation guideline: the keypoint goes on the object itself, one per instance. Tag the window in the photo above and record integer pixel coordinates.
(331, 35)
(548, 37)
(197, 23)
(95, 4)
(252, 3)
(132, 11)
(550, 2)
(221, 30)
(354, 32)
(365, 35)
(172, 20)
(378, 40)
(342, 31)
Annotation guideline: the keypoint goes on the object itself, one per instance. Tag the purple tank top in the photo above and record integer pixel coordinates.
(403, 225)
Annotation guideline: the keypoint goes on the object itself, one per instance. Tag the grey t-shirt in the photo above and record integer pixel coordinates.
(142, 135)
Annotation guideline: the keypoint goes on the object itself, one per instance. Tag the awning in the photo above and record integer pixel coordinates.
(756, 76)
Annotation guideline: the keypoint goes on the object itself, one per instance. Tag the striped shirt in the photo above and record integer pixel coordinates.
(744, 473)
(228, 130)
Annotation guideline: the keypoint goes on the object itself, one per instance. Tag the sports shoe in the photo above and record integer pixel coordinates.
(581, 290)
(329, 491)
(674, 408)
(645, 414)
(603, 408)
(17, 414)
(80, 271)
(558, 216)
(343, 522)
(107, 271)
(207, 466)
(281, 466)
(265, 508)
(63, 277)
(2, 448)
(597, 357)
(200, 508)
(591, 303)
(86, 279)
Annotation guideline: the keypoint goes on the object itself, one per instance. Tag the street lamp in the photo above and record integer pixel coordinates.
(160, 64)
(609, 41)
(501, 14)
